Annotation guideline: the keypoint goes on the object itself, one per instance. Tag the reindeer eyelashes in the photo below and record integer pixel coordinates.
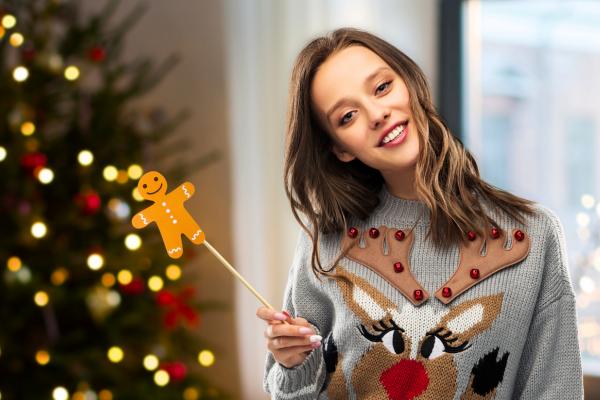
(435, 344)
(430, 348)
(391, 336)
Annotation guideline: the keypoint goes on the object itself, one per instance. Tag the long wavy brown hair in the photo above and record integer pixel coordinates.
(327, 191)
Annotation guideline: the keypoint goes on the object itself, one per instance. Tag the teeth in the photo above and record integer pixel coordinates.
(393, 134)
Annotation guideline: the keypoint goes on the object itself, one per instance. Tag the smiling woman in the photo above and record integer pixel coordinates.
(422, 259)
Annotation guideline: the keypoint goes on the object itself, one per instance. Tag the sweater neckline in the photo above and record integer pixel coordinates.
(403, 209)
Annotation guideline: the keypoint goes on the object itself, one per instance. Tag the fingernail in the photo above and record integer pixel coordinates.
(304, 330)
(280, 316)
(315, 345)
(315, 338)
(286, 314)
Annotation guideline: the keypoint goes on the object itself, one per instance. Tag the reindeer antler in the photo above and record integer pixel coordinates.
(474, 267)
(393, 266)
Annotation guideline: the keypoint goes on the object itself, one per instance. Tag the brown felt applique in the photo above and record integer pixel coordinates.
(412, 351)
(394, 264)
(474, 267)
(386, 251)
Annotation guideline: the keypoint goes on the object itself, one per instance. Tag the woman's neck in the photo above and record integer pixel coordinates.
(401, 184)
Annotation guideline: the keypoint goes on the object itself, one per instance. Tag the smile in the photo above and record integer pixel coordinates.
(156, 189)
(395, 136)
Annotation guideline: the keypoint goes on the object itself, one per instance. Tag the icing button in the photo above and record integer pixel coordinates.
(474, 273)
(471, 235)
(418, 293)
(446, 292)
(399, 235)
(164, 204)
(519, 235)
(353, 232)
(398, 267)
(374, 233)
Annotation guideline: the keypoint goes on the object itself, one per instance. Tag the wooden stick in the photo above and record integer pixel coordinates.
(240, 277)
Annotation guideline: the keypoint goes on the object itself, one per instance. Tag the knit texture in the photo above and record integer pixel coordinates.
(505, 331)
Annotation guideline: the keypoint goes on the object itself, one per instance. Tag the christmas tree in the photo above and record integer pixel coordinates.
(90, 307)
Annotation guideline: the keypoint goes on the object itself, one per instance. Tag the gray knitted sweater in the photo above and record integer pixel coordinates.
(491, 319)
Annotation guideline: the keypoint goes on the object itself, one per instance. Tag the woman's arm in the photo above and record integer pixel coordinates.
(304, 297)
(550, 366)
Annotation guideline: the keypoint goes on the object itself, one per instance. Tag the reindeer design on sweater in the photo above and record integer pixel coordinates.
(413, 347)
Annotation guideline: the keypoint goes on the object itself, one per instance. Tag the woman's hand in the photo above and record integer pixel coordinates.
(290, 344)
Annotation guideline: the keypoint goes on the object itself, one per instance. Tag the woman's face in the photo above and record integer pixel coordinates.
(360, 99)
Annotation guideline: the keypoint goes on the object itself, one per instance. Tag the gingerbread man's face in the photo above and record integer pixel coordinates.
(152, 186)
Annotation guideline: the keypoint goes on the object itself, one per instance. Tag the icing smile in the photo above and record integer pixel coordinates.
(156, 189)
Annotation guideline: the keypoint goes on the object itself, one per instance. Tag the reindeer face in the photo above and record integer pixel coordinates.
(413, 348)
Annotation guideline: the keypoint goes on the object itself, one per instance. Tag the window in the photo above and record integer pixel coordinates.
(531, 117)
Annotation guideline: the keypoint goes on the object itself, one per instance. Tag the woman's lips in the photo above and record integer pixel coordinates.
(399, 139)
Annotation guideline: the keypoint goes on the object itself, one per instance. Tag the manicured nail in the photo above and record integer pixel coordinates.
(305, 331)
(286, 314)
(280, 316)
(315, 338)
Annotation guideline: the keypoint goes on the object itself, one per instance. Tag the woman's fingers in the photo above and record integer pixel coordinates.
(269, 315)
(283, 342)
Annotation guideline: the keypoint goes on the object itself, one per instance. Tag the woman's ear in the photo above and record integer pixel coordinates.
(342, 154)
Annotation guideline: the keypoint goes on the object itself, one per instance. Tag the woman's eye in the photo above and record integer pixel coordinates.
(344, 120)
(383, 86)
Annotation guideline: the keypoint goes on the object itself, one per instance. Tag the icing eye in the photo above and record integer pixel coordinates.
(156, 179)
(432, 347)
(144, 186)
(393, 341)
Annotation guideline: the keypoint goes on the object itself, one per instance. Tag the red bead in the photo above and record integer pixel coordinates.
(446, 292)
(353, 232)
(471, 235)
(374, 233)
(475, 273)
(519, 235)
(418, 294)
(495, 233)
(398, 267)
(399, 235)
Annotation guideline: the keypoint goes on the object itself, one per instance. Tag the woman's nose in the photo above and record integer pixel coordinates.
(378, 115)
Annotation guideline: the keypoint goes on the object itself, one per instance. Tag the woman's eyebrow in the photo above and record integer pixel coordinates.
(345, 99)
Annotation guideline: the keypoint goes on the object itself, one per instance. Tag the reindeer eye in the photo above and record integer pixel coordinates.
(393, 341)
(390, 335)
(432, 347)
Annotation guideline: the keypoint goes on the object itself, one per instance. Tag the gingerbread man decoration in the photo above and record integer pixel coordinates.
(168, 212)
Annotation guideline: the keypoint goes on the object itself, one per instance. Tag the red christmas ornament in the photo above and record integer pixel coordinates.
(399, 235)
(398, 267)
(89, 202)
(446, 292)
(176, 370)
(97, 54)
(374, 233)
(177, 307)
(519, 235)
(418, 294)
(495, 233)
(136, 286)
(31, 162)
(28, 54)
(474, 273)
(471, 235)
(353, 232)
